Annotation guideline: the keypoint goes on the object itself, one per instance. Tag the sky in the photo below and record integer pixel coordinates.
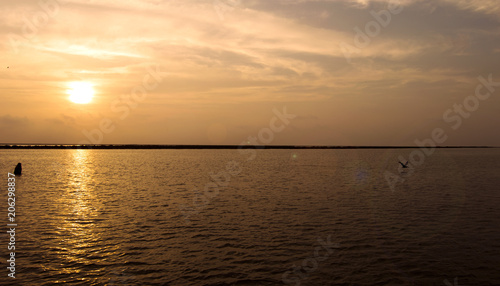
(292, 72)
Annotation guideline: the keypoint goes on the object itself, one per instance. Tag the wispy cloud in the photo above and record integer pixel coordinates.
(262, 53)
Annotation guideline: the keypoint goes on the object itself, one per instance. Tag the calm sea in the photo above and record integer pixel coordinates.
(273, 217)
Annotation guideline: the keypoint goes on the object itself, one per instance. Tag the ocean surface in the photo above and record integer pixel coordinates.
(265, 217)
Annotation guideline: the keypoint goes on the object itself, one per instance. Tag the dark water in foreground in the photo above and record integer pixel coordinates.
(285, 217)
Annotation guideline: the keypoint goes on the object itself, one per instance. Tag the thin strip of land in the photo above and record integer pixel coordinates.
(138, 146)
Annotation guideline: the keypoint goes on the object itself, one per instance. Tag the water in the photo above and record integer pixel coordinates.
(283, 217)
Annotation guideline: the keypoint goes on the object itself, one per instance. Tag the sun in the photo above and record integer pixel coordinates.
(80, 92)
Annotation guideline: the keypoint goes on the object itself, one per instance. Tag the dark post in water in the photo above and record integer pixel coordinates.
(18, 170)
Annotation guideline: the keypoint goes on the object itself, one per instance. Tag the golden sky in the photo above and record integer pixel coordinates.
(365, 72)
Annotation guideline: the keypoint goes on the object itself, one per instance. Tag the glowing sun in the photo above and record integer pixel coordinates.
(80, 92)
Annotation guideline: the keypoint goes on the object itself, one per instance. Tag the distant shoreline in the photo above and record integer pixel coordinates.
(138, 146)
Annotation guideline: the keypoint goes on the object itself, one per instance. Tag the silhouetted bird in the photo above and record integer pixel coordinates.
(18, 170)
(404, 165)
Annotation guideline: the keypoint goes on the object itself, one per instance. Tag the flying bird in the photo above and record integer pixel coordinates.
(404, 165)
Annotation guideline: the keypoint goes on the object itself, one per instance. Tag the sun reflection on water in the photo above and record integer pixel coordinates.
(80, 193)
(79, 225)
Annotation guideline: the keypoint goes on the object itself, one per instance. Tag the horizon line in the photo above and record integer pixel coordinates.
(204, 146)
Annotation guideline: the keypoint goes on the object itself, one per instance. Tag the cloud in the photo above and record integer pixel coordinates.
(482, 6)
(261, 54)
(13, 122)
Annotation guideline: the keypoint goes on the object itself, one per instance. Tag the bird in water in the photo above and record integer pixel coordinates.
(404, 165)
